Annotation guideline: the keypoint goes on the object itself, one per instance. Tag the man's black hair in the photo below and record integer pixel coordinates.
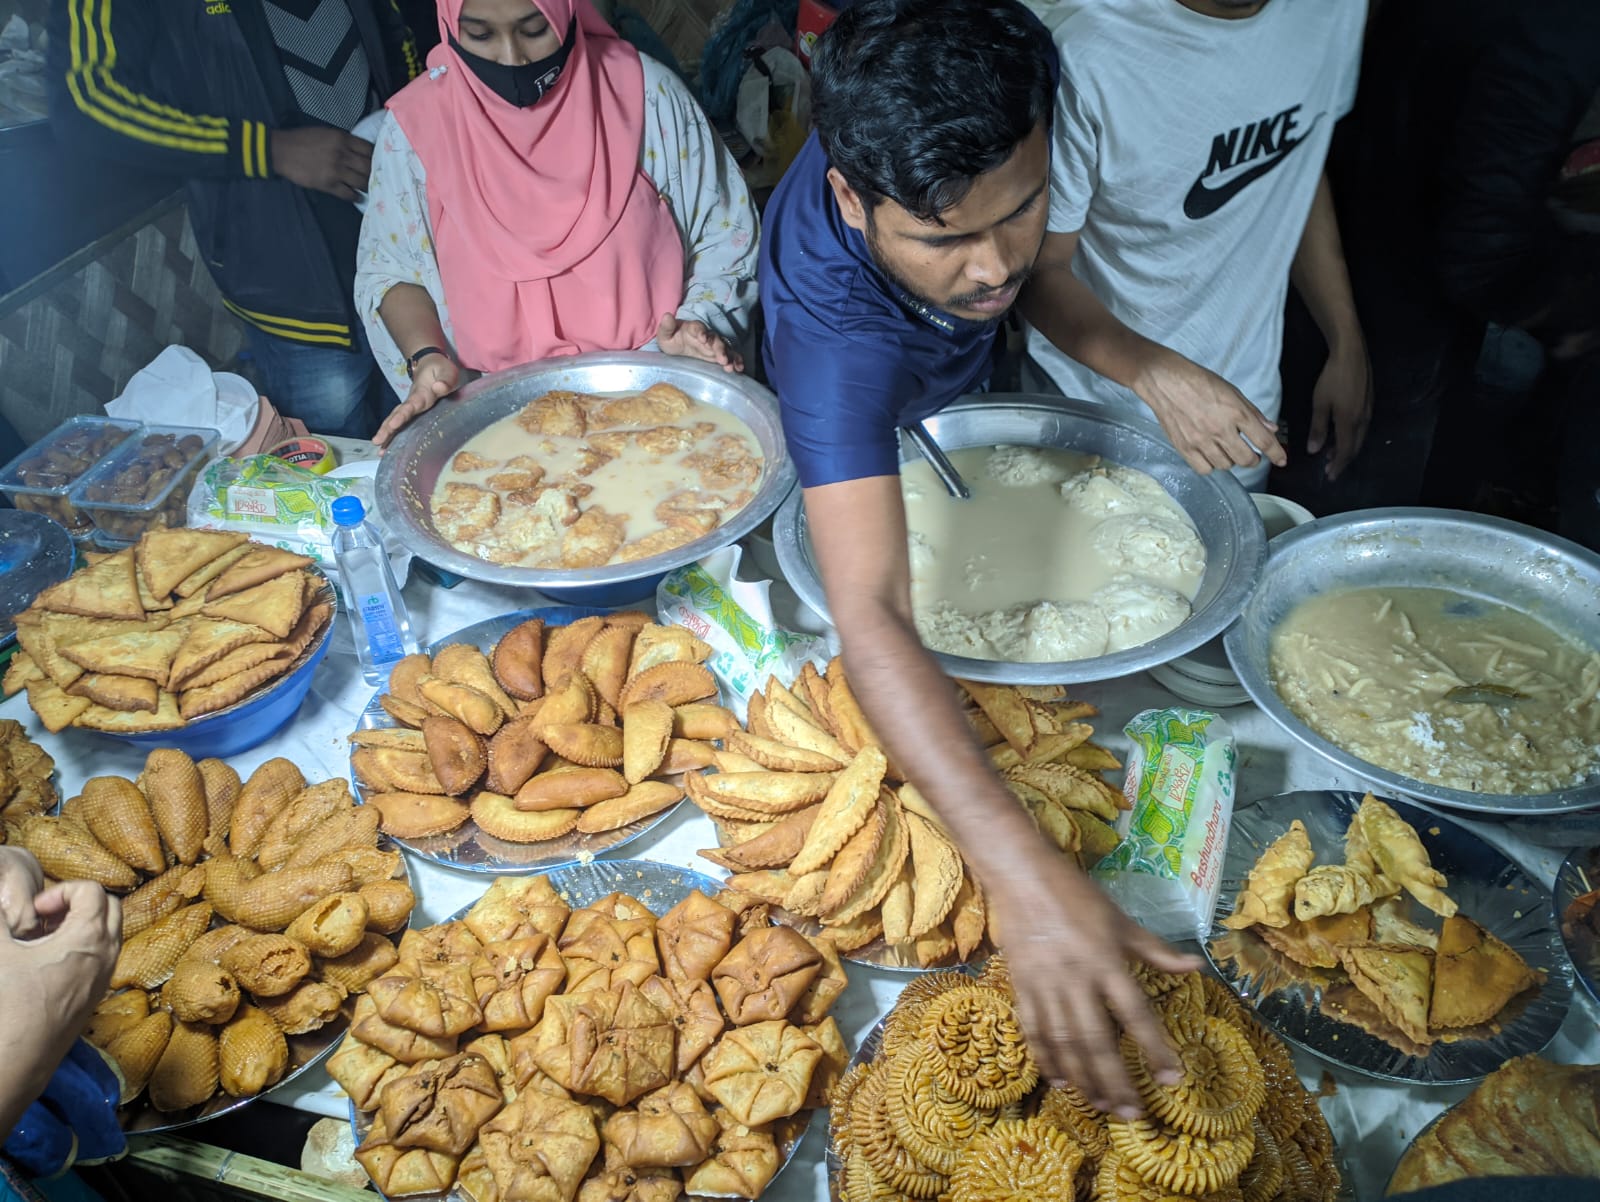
(914, 99)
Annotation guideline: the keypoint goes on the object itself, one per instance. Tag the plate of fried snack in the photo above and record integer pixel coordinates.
(253, 912)
(1386, 939)
(944, 1101)
(609, 1031)
(1577, 902)
(26, 771)
(814, 818)
(534, 739)
(1528, 1118)
(173, 641)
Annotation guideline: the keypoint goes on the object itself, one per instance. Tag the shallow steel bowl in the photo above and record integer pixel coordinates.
(408, 473)
(1217, 504)
(1547, 577)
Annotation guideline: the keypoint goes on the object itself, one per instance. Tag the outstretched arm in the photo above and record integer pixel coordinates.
(1068, 945)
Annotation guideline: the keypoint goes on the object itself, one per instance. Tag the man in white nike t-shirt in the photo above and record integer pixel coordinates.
(1187, 188)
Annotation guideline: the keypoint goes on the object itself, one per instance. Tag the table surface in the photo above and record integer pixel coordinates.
(1372, 1120)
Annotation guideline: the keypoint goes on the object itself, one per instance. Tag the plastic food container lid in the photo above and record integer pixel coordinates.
(11, 475)
(108, 469)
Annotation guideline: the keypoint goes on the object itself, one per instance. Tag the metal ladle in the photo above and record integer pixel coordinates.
(938, 461)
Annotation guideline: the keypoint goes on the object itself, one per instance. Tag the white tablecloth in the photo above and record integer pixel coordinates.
(1372, 1120)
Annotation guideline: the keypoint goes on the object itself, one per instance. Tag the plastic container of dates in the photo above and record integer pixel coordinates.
(144, 484)
(42, 477)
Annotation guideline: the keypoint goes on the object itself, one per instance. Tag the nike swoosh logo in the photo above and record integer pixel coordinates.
(1203, 201)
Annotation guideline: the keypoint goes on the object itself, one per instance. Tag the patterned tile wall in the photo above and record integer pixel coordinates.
(72, 347)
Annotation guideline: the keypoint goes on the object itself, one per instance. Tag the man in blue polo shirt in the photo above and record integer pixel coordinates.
(894, 246)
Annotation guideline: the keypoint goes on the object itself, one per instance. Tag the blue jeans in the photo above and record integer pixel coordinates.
(333, 390)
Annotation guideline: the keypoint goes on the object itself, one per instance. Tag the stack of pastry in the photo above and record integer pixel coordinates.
(1528, 1118)
(815, 818)
(951, 1108)
(253, 910)
(1401, 981)
(149, 638)
(558, 729)
(532, 1052)
(25, 769)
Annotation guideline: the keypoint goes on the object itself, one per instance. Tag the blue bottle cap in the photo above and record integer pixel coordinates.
(348, 511)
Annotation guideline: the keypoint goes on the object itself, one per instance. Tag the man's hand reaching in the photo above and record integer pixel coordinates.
(1207, 419)
(1069, 948)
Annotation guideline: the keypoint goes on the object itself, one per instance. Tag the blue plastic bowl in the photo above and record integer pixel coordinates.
(249, 723)
(622, 593)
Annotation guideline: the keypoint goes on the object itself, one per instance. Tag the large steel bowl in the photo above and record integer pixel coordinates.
(408, 473)
(1488, 558)
(1220, 508)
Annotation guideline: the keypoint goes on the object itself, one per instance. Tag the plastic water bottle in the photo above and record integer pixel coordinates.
(379, 624)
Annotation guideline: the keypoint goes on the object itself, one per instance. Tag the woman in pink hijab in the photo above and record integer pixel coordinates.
(543, 189)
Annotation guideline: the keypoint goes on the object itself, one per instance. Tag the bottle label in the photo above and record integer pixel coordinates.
(382, 637)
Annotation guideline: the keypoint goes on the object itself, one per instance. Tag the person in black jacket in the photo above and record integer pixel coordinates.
(252, 103)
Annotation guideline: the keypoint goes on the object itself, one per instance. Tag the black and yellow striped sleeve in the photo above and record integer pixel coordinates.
(99, 53)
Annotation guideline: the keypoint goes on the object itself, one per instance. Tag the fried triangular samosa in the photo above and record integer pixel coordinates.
(1474, 975)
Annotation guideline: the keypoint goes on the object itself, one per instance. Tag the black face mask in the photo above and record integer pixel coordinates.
(523, 85)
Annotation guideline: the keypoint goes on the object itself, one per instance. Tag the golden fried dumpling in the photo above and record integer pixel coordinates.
(404, 1172)
(309, 1006)
(835, 1059)
(404, 1045)
(118, 815)
(161, 896)
(765, 975)
(1396, 848)
(116, 1013)
(296, 820)
(539, 1147)
(825, 987)
(440, 1104)
(513, 978)
(389, 905)
(437, 999)
(372, 957)
(665, 1129)
(148, 959)
(1337, 889)
(1474, 975)
(332, 926)
(267, 965)
(691, 1007)
(762, 1072)
(186, 1075)
(615, 1045)
(362, 1071)
(199, 992)
(138, 1049)
(693, 937)
(1268, 896)
(518, 908)
(1398, 980)
(496, 1052)
(742, 1163)
(252, 1053)
(273, 900)
(1316, 944)
(606, 948)
(442, 943)
(625, 1183)
(474, 1179)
